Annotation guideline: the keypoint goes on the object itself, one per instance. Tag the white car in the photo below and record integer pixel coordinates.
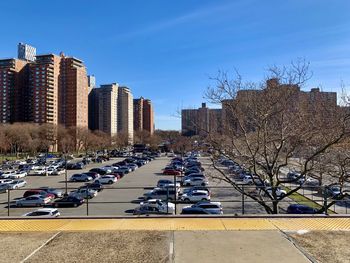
(6, 181)
(44, 212)
(17, 184)
(33, 200)
(279, 192)
(39, 171)
(195, 181)
(106, 179)
(18, 175)
(155, 206)
(7, 174)
(248, 179)
(195, 196)
(84, 192)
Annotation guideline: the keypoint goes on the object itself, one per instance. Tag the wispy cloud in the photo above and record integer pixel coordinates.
(195, 15)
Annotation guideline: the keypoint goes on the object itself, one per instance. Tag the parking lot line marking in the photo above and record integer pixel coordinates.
(44, 244)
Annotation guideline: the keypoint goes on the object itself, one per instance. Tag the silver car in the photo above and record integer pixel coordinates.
(33, 200)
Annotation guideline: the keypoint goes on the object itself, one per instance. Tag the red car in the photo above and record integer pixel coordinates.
(171, 172)
(38, 192)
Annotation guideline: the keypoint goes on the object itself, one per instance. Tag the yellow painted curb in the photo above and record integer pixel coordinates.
(175, 224)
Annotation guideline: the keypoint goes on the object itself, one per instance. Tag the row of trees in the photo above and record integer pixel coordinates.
(32, 138)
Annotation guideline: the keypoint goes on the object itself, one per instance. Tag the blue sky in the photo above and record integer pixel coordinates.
(167, 50)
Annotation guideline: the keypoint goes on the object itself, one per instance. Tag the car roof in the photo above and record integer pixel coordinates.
(45, 210)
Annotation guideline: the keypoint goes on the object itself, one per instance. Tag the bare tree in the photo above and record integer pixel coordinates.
(270, 125)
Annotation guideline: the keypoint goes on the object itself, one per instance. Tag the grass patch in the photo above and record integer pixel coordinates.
(303, 200)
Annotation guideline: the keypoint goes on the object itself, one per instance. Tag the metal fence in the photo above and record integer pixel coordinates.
(122, 201)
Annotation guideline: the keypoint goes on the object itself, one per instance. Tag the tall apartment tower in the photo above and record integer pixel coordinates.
(125, 113)
(14, 91)
(148, 116)
(73, 93)
(107, 97)
(26, 52)
(44, 84)
(138, 114)
(91, 82)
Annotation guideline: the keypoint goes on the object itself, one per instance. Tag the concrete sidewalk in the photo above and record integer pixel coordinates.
(235, 246)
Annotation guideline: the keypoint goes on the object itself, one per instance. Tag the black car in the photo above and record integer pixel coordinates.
(98, 170)
(94, 186)
(300, 209)
(68, 201)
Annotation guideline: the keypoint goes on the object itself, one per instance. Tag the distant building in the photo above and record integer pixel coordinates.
(125, 113)
(143, 115)
(108, 108)
(91, 82)
(148, 116)
(15, 97)
(26, 52)
(200, 121)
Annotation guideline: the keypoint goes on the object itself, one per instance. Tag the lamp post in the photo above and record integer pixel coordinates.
(65, 172)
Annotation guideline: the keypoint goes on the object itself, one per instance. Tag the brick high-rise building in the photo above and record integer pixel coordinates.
(107, 96)
(200, 121)
(148, 116)
(125, 113)
(143, 115)
(44, 85)
(14, 91)
(73, 93)
(138, 114)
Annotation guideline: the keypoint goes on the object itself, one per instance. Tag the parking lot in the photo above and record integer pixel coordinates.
(121, 198)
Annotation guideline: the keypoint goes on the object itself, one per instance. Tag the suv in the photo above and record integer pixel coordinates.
(80, 178)
(211, 207)
(162, 194)
(195, 196)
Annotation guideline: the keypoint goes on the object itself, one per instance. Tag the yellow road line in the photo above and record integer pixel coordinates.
(179, 224)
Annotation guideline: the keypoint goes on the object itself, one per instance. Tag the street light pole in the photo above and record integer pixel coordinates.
(65, 160)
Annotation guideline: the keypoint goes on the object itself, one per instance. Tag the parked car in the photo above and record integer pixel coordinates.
(39, 171)
(94, 185)
(86, 193)
(194, 188)
(58, 171)
(300, 209)
(99, 171)
(195, 196)
(279, 192)
(106, 179)
(68, 201)
(94, 175)
(195, 181)
(211, 207)
(17, 184)
(44, 212)
(171, 172)
(33, 200)
(80, 178)
(38, 192)
(17, 175)
(4, 188)
(56, 192)
(5, 181)
(333, 191)
(155, 206)
(7, 174)
(161, 193)
(164, 182)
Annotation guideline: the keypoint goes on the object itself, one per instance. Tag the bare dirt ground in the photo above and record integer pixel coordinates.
(121, 246)
(325, 246)
(14, 247)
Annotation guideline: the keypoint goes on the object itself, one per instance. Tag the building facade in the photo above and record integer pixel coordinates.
(125, 113)
(14, 91)
(200, 121)
(143, 115)
(26, 52)
(107, 96)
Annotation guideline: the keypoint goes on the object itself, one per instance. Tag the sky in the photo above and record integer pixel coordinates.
(167, 51)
